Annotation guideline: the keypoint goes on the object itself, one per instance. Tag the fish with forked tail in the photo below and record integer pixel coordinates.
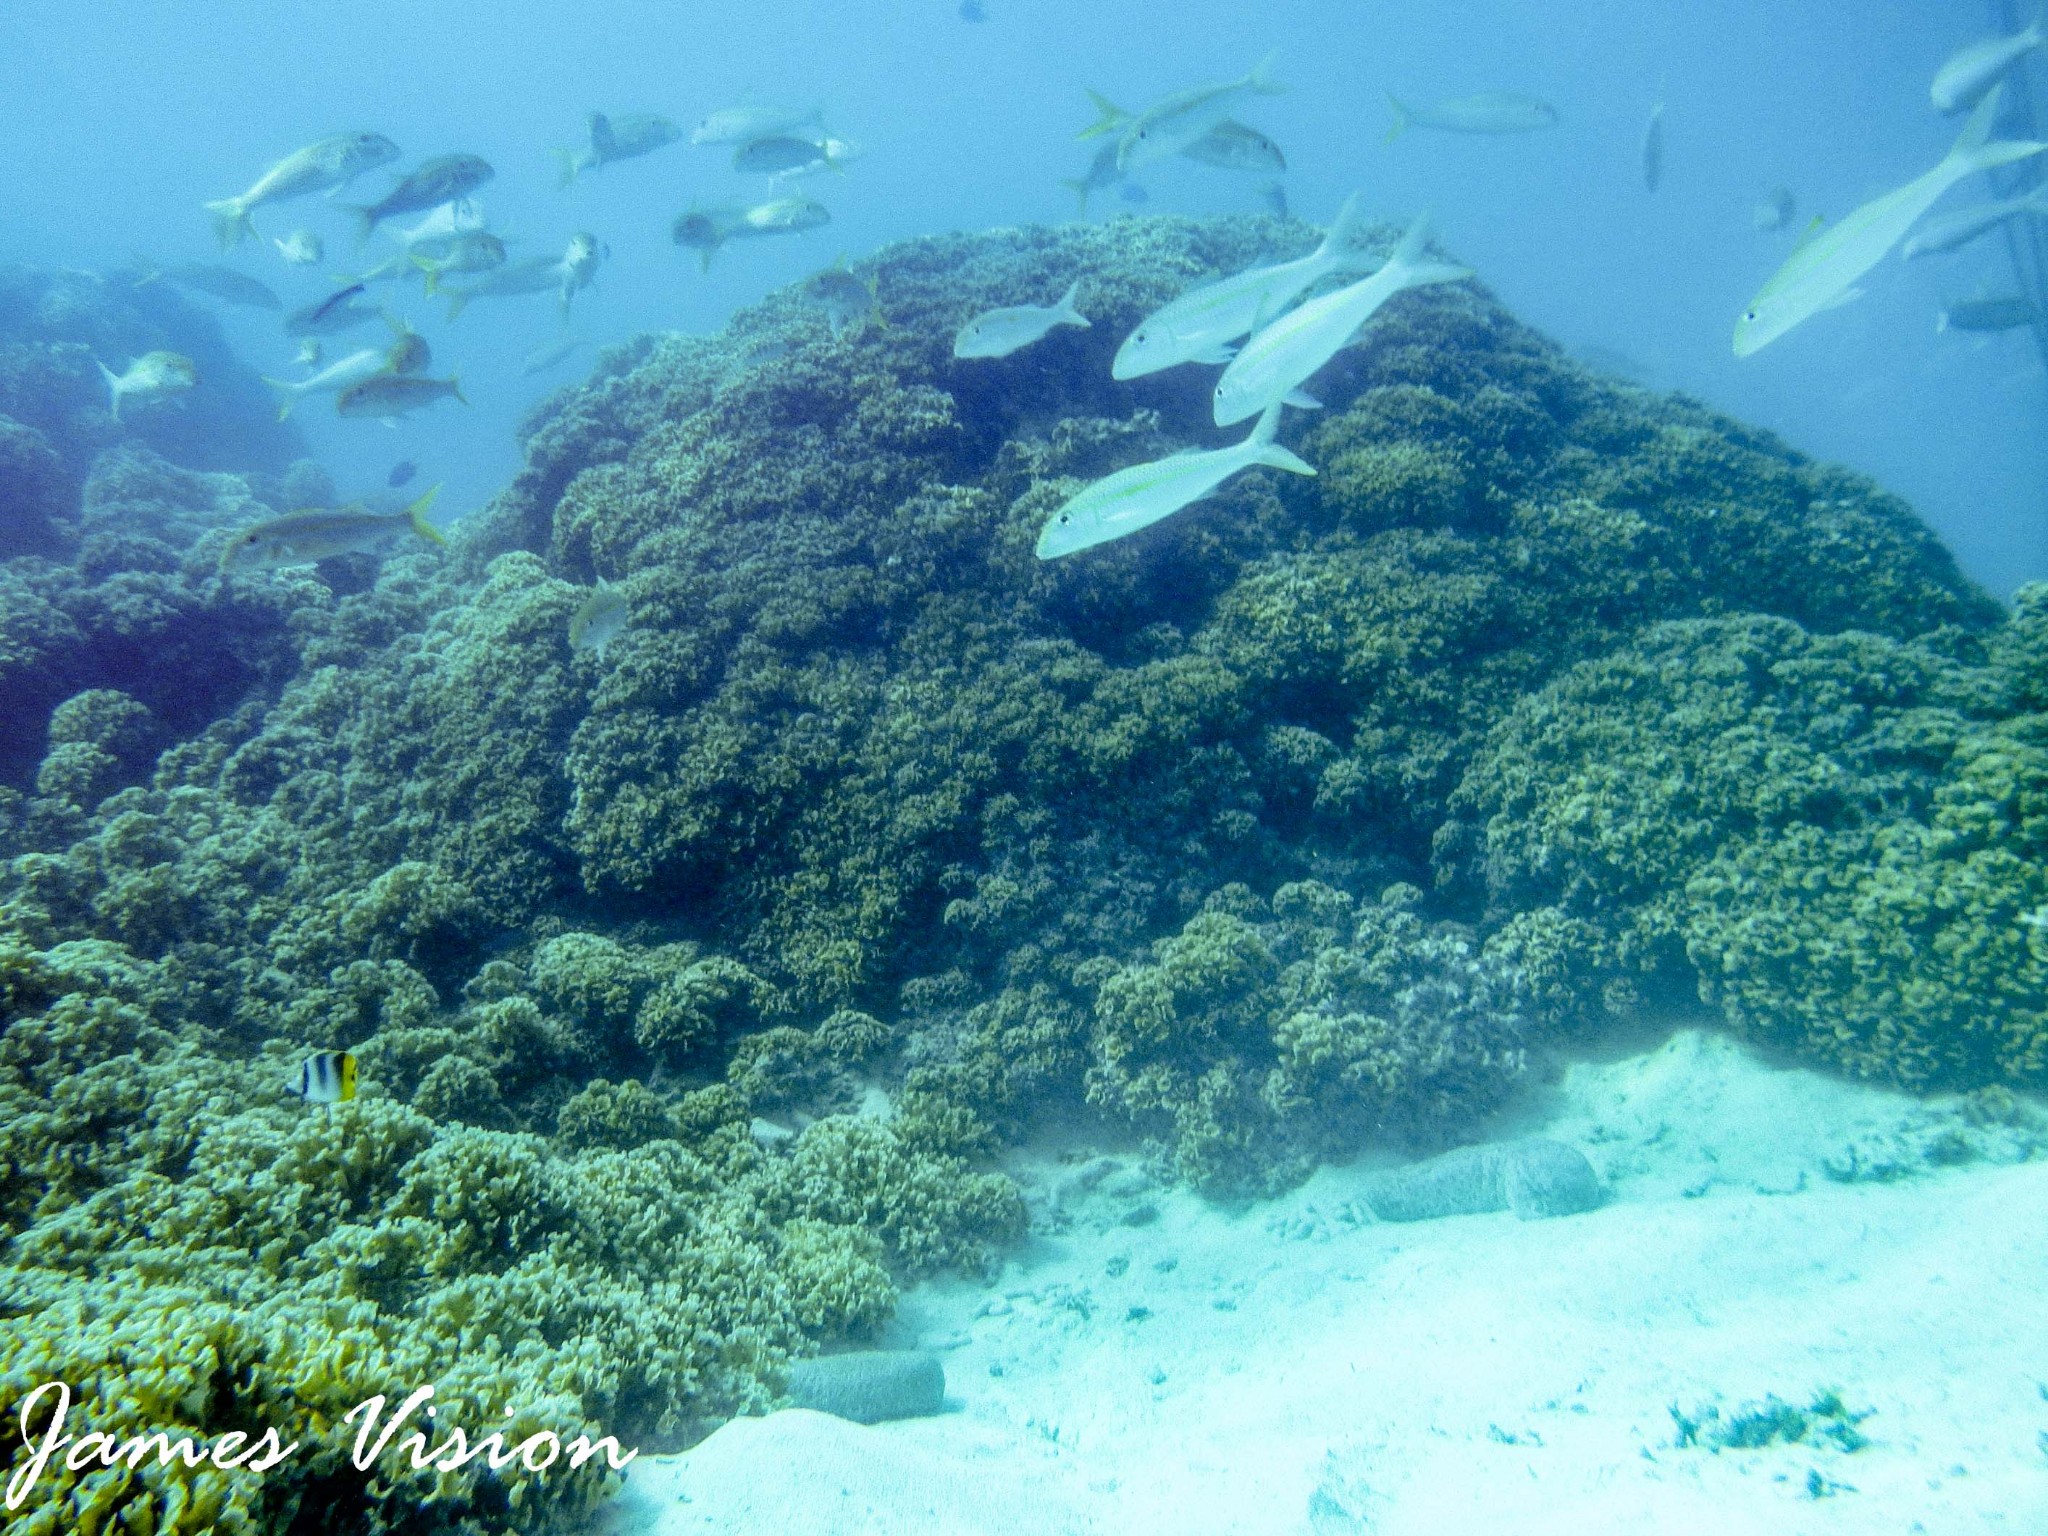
(319, 533)
(326, 166)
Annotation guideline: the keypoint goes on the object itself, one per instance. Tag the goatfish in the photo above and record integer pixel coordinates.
(612, 139)
(1230, 145)
(151, 377)
(332, 315)
(1140, 496)
(223, 283)
(389, 395)
(1951, 231)
(315, 534)
(326, 166)
(742, 125)
(999, 332)
(1974, 69)
(1822, 271)
(599, 620)
(1168, 128)
(706, 229)
(787, 154)
(1280, 358)
(474, 250)
(443, 179)
(1198, 327)
(2008, 312)
(325, 1077)
(1488, 112)
(332, 379)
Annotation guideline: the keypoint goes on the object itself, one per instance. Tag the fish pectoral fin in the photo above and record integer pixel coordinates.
(1302, 400)
(1217, 355)
(1846, 296)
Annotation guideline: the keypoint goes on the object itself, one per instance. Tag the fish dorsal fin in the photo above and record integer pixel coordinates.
(1810, 234)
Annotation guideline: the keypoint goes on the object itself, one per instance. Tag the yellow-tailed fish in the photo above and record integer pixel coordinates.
(316, 534)
(1199, 326)
(999, 332)
(1822, 271)
(326, 166)
(388, 395)
(1974, 69)
(331, 380)
(1140, 496)
(1168, 128)
(325, 1077)
(152, 376)
(1273, 365)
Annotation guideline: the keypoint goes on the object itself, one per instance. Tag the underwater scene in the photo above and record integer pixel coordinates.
(1021, 768)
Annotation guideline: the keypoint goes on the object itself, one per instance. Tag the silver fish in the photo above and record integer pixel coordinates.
(333, 379)
(1972, 70)
(443, 179)
(1653, 149)
(599, 620)
(1488, 112)
(315, 534)
(612, 139)
(151, 377)
(326, 166)
(388, 395)
(999, 332)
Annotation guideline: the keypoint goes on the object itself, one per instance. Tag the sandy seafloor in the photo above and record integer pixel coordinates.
(1151, 1362)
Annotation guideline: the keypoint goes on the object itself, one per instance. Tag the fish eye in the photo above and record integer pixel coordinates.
(1066, 518)
(1749, 314)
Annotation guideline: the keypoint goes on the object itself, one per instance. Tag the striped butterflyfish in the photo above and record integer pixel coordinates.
(325, 1077)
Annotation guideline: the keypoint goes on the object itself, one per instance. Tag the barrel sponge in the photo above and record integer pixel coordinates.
(870, 1386)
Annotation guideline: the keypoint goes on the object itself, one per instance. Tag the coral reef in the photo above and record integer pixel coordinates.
(693, 983)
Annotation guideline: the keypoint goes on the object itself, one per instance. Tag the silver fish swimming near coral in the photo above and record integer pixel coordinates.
(704, 230)
(328, 165)
(151, 377)
(612, 139)
(1821, 273)
(332, 379)
(1169, 127)
(999, 332)
(1489, 112)
(1951, 231)
(443, 179)
(332, 315)
(1284, 355)
(1974, 69)
(315, 534)
(1199, 326)
(385, 396)
(1137, 497)
(223, 283)
(599, 620)
(325, 1077)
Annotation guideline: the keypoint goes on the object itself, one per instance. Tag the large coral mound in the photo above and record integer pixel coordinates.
(691, 980)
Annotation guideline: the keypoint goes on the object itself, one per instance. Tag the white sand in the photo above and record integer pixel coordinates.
(1296, 1368)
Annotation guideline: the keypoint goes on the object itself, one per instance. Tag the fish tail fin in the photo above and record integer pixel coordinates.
(1336, 246)
(1989, 157)
(1269, 452)
(1080, 190)
(1977, 130)
(113, 387)
(433, 276)
(1261, 78)
(1423, 273)
(1068, 313)
(457, 302)
(1415, 242)
(567, 164)
(455, 389)
(231, 224)
(416, 515)
(1109, 117)
(1402, 118)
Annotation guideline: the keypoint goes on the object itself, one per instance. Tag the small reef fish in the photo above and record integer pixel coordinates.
(586, 253)
(1488, 112)
(1171, 126)
(326, 166)
(1775, 211)
(151, 377)
(742, 125)
(999, 332)
(437, 234)
(786, 155)
(223, 283)
(846, 300)
(1288, 351)
(540, 359)
(332, 315)
(325, 1077)
(706, 229)
(599, 620)
(472, 251)
(612, 139)
(443, 179)
(388, 395)
(2008, 312)
(533, 274)
(1140, 496)
(332, 379)
(401, 473)
(1822, 271)
(1199, 326)
(315, 534)
(1972, 70)
(302, 248)
(1951, 231)
(833, 153)
(1653, 149)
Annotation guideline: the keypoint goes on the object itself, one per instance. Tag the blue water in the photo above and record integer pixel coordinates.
(119, 124)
